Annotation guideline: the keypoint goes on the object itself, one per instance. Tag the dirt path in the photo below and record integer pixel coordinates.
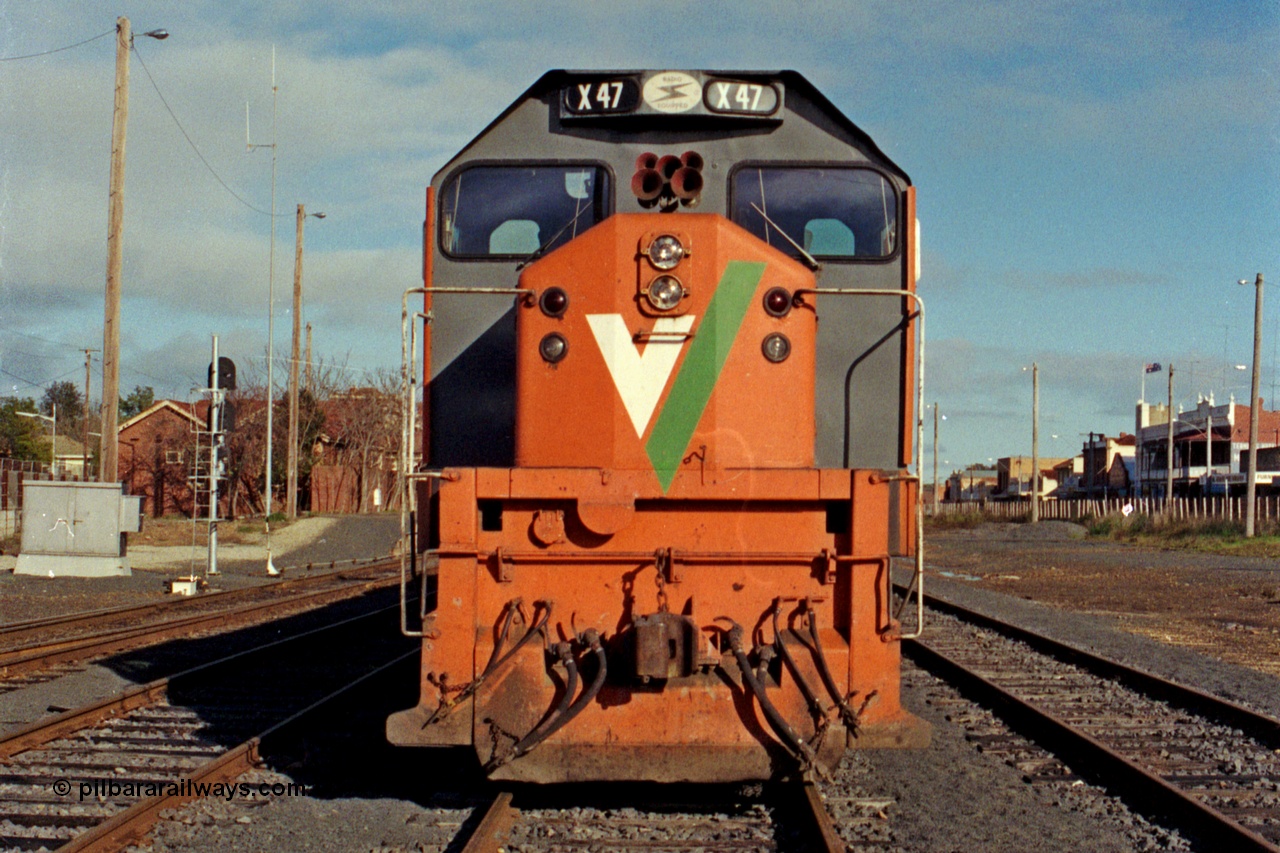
(1225, 607)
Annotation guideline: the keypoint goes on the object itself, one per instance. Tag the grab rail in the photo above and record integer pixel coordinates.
(917, 579)
(409, 422)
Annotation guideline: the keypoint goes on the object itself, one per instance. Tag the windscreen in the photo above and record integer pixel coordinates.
(506, 211)
(835, 213)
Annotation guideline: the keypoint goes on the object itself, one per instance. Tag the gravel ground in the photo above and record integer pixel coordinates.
(317, 539)
(1113, 599)
(1200, 619)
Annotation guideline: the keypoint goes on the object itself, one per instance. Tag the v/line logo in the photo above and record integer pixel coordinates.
(641, 378)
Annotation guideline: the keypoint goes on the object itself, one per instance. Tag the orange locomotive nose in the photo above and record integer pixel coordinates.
(666, 356)
(663, 587)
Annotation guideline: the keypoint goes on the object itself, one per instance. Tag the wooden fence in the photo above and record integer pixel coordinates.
(1227, 509)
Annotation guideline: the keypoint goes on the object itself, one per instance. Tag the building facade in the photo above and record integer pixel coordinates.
(1209, 450)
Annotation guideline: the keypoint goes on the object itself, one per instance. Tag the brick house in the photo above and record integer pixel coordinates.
(156, 448)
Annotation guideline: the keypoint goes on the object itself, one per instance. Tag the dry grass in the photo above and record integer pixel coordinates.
(178, 531)
(1210, 536)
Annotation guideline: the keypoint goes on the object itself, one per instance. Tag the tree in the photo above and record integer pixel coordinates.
(139, 401)
(19, 436)
(366, 433)
(70, 406)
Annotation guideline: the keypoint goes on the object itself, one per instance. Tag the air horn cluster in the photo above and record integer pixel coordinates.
(668, 180)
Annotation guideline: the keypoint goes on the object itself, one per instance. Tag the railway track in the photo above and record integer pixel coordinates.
(83, 636)
(97, 777)
(1186, 758)
(789, 818)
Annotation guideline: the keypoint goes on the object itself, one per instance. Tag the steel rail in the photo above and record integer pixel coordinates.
(131, 611)
(64, 651)
(131, 825)
(490, 835)
(1258, 726)
(43, 731)
(1146, 790)
(825, 838)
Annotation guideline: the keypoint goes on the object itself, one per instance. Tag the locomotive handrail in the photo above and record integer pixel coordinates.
(917, 579)
(409, 419)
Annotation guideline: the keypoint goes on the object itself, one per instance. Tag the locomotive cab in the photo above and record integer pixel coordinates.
(665, 477)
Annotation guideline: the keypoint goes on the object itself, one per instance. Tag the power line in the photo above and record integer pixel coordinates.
(30, 384)
(194, 148)
(43, 340)
(58, 49)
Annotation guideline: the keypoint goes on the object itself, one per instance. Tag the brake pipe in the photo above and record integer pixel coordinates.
(549, 724)
(816, 710)
(794, 743)
(847, 715)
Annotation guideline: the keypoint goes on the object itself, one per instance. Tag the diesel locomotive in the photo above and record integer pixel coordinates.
(671, 370)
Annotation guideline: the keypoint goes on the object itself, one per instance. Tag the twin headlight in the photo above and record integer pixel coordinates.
(663, 293)
(665, 253)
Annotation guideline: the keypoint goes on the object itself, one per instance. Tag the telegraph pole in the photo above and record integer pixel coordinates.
(1168, 450)
(115, 248)
(291, 504)
(935, 459)
(84, 471)
(115, 241)
(1254, 412)
(1035, 442)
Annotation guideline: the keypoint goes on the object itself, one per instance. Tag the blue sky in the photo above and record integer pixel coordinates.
(1093, 178)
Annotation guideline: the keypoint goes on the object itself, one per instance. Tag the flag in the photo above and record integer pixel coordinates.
(1153, 368)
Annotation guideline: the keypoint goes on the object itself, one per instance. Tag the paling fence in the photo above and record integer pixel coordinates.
(12, 473)
(1267, 508)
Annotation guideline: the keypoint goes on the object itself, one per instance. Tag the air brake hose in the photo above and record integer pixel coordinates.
(494, 661)
(798, 748)
(816, 710)
(847, 715)
(540, 732)
(592, 638)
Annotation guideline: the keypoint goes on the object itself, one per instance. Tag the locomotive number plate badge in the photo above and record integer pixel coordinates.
(611, 96)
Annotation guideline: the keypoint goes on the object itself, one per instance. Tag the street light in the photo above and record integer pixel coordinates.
(53, 442)
(291, 503)
(1254, 410)
(115, 250)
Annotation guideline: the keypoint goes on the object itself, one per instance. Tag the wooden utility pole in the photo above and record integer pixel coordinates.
(1250, 490)
(84, 471)
(115, 246)
(1035, 442)
(935, 459)
(109, 472)
(292, 485)
(1168, 450)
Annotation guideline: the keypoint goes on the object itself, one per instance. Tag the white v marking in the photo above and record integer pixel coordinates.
(639, 378)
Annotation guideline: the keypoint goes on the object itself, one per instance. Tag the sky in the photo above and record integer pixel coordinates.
(1093, 179)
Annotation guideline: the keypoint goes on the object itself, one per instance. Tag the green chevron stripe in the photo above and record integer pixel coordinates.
(708, 350)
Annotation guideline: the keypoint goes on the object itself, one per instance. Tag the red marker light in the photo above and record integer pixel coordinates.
(777, 302)
(553, 302)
